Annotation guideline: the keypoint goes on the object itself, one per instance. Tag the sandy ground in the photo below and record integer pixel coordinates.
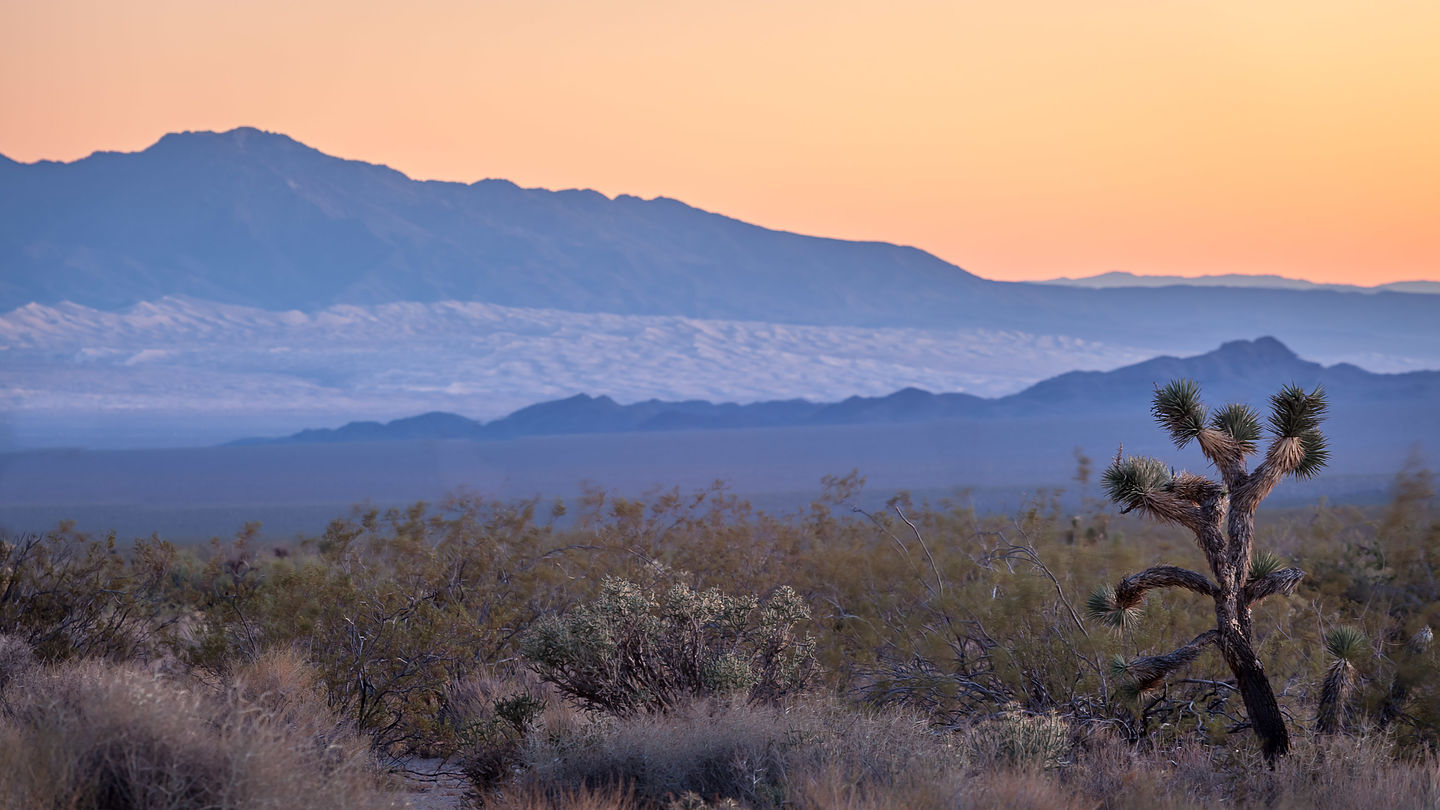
(431, 785)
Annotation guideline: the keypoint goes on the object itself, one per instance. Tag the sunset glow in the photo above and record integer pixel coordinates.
(1018, 140)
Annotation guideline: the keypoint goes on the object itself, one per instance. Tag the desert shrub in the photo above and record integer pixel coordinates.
(757, 755)
(95, 735)
(491, 733)
(822, 753)
(389, 617)
(16, 659)
(67, 594)
(1382, 569)
(989, 623)
(391, 609)
(653, 645)
(1020, 739)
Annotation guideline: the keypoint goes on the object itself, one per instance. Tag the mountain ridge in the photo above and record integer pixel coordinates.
(275, 223)
(259, 219)
(1240, 370)
(1120, 278)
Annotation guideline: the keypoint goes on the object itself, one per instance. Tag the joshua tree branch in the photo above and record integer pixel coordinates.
(1281, 582)
(1283, 457)
(1174, 509)
(1196, 489)
(1149, 671)
(1225, 453)
(1131, 590)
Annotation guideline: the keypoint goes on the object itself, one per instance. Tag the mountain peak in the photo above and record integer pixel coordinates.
(257, 218)
(239, 139)
(1263, 349)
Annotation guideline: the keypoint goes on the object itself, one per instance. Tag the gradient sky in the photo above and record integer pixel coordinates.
(1019, 140)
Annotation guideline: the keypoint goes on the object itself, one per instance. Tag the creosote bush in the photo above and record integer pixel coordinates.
(651, 645)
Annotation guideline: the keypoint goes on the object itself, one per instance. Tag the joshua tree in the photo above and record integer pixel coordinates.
(1345, 645)
(1222, 517)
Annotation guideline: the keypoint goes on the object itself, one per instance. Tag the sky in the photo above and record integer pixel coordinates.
(1020, 140)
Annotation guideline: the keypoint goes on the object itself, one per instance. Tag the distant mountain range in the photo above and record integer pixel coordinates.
(258, 219)
(242, 283)
(1121, 279)
(1238, 371)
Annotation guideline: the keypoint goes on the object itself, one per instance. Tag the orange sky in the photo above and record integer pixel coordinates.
(1021, 139)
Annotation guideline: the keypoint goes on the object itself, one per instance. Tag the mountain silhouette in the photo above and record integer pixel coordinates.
(259, 219)
(1123, 279)
(1238, 371)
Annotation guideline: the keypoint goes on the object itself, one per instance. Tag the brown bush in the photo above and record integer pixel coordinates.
(95, 735)
(759, 756)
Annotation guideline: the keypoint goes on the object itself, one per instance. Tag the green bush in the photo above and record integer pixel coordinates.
(651, 646)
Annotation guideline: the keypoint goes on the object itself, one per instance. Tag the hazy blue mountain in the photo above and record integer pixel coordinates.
(1242, 370)
(255, 218)
(433, 425)
(258, 219)
(993, 453)
(1124, 279)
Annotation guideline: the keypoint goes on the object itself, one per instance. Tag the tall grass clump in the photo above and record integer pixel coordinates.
(758, 756)
(89, 734)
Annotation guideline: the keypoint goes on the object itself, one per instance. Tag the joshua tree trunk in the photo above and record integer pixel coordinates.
(1222, 516)
(1260, 703)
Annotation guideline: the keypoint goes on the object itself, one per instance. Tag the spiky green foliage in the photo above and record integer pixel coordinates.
(1192, 487)
(1345, 643)
(1129, 691)
(1264, 563)
(1119, 667)
(1104, 607)
(1317, 454)
(1239, 422)
(1130, 481)
(1295, 412)
(1178, 409)
(1150, 671)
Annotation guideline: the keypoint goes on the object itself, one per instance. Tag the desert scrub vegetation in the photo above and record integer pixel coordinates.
(685, 650)
(657, 643)
(107, 735)
(824, 753)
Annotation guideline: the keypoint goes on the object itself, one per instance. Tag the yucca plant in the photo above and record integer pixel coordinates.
(1221, 514)
(1345, 646)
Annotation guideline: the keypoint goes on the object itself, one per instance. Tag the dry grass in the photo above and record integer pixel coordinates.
(536, 798)
(822, 754)
(95, 735)
(16, 658)
(757, 756)
(1338, 773)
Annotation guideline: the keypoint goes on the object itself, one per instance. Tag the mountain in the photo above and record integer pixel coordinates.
(258, 219)
(1238, 371)
(183, 372)
(1123, 279)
